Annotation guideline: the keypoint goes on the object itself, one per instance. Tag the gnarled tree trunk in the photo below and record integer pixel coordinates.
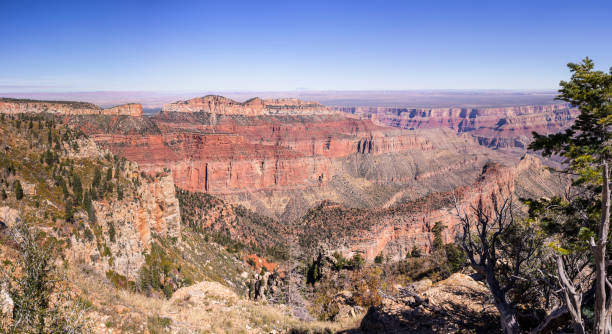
(602, 284)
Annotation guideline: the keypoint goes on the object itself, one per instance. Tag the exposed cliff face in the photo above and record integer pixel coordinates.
(390, 185)
(130, 109)
(492, 127)
(395, 229)
(127, 227)
(281, 165)
(18, 106)
(100, 210)
(215, 104)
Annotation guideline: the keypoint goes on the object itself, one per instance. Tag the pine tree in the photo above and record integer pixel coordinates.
(97, 178)
(119, 193)
(581, 223)
(69, 214)
(77, 188)
(86, 201)
(18, 190)
(438, 243)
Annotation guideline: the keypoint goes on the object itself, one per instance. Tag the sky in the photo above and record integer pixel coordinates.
(297, 45)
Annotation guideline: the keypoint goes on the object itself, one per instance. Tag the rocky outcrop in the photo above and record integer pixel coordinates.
(455, 305)
(493, 127)
(130, 109)
(127, 227)
(19, 106)
(264, 286)
(220, 105)
(8, 217)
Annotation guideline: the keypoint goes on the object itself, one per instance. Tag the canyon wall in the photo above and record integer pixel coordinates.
(215, 104)
(18, 106)
(506, 127)
(394, 230)
(374, 188)
(281, 165)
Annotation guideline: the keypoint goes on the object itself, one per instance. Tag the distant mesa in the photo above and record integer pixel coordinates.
(130, 109)
(19, 106)
(215, 104)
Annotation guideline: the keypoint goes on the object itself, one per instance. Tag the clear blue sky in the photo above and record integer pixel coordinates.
(286, 45)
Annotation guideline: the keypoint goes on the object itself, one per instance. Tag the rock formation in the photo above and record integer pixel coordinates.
(18, 106)
(493, 127)
(454, 305)
(152, 209)
(393, 231)
(373, 188)
(215, 104)
(130, 109)
(262, 161)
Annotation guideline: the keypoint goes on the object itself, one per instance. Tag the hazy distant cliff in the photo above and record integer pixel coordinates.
(17, 106)
(492, 127)
(215, 104)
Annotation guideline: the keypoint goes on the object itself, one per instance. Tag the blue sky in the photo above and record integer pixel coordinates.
(286, 45)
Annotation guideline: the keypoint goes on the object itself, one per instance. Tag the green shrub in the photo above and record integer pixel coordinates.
(415, 252)
(379, 258)
(157, 324)
(357, 261)
(341, 261)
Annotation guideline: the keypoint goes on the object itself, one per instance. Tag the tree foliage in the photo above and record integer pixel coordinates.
(579, 222)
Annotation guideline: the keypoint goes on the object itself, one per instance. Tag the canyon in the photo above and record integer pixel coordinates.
(365, 180)
(256, 198)
(496, 127)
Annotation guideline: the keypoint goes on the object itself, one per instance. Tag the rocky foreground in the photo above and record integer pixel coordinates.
(454, 305)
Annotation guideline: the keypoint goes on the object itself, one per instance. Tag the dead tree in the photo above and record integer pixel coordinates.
(481, 240)
(483, 232)
(568, 282)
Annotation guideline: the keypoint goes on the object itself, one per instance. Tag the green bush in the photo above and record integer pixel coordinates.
(357, 261)
(379, 258)
(415, 252)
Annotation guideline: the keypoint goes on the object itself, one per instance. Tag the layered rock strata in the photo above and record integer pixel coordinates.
(215, 104)
(393, 231)
(493, 127)
(17, 106)
(281, 165)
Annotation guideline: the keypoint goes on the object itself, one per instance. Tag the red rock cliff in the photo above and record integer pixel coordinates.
(493, 127)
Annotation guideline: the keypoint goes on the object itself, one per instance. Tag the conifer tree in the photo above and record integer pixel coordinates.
(18, 190)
